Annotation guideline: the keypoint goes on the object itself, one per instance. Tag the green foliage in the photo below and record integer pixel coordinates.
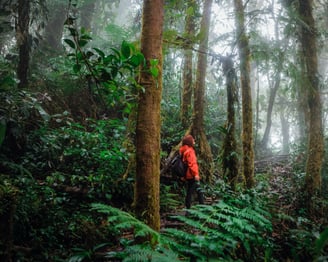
(320, 244)
(20, 112)
(109, 72)
(168, 200)
(131, 229)
(85, 255)
(236, 228)
(90, 157)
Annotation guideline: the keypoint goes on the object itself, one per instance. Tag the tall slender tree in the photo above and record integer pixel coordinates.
(197, 127)
(315, 148)
(53, 31)
(247, 111)
(186, 106)
(230, 162)
(22, 37)
(148, 127)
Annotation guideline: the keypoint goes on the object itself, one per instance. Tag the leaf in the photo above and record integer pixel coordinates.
(190, 11)
(321, 241)
(89, 54)
(70, 43)
(43, 113)
(82, 42)
(73, 31)
(154, 72)
(125, 49)
(118, 55)
(77, 68)
(136, 60)
(99, 52)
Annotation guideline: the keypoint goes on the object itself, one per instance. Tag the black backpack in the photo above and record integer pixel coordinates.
(178, 167)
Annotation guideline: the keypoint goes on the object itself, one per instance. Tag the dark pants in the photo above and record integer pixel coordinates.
(193, 186)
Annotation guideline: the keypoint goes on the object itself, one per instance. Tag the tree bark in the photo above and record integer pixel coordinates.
(230, 163)
(186, 107)
(247, 111)
(22, 37)
(148, 120)
(54, 28)
(315, 148)
(197, 128)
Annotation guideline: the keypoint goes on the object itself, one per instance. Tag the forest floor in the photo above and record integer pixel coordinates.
(281, 185)
(282, 188)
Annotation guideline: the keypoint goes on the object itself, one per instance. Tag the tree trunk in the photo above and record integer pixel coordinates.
(230, 156)
(274, 88)
(247, 112)
(148, 120)
(315, 150)
(272, 97)
(22, 37)
(284, 130)
(186, 107)
(197, 129)
(87, 11)
(54, 28)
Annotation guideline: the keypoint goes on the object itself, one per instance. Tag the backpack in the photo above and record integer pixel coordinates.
(178, 167)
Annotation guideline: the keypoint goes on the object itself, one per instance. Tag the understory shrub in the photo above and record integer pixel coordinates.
(235, 228)
(89, 159)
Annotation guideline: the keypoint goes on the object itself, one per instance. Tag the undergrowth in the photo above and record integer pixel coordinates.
(234, 228)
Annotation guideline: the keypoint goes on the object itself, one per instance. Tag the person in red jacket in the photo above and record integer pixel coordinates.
(192, 176)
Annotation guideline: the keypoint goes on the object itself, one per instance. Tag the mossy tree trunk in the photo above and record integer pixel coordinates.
(197, 128)
(148, 125)
(247, 111)
(315, 150)
(186, 106)
(22, 38)
(230, 164)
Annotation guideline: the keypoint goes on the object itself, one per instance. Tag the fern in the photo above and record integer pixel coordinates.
(234, 228)
(231, 228)
(125, 221)
(152, 250)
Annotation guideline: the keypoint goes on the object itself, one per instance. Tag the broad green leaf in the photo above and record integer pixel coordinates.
(154, 71)
(82, 42)
(70, 43)
(125, 49)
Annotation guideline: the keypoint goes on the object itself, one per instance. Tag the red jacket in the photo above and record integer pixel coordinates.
(189, 157)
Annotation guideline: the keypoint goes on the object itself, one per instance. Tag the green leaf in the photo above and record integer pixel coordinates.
(73, 31)
(154, 71)
(190, 11)
(99, 52)
(70, 43)
(82, 42)
(125, 49)
(153, 62)
(136, 60)
(77, 68)
(321, 241)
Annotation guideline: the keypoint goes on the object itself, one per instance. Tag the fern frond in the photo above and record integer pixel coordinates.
(122, 220)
